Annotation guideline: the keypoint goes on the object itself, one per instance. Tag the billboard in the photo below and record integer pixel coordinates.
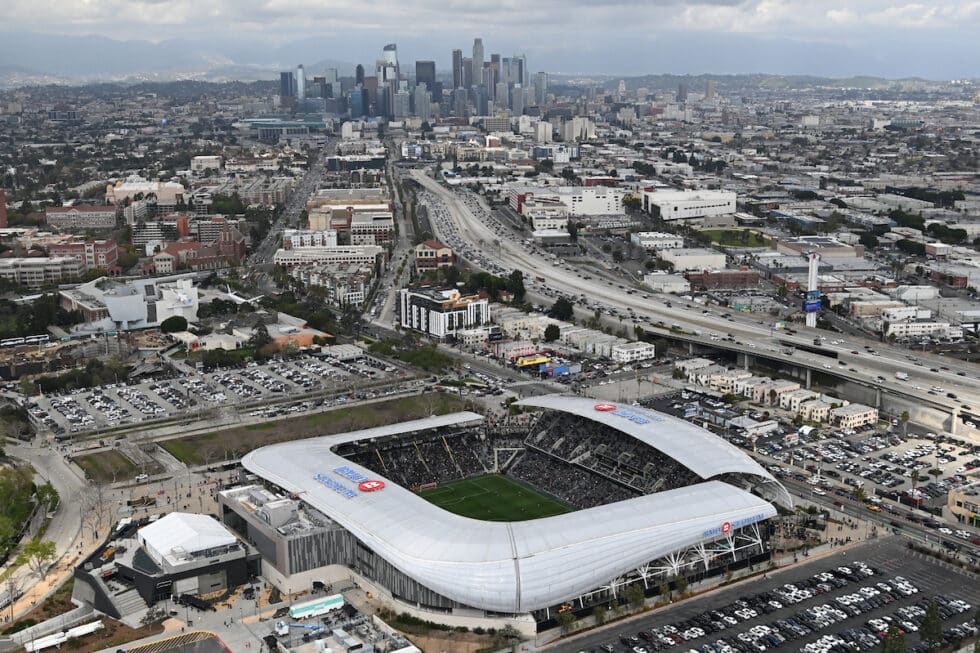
(811, 302)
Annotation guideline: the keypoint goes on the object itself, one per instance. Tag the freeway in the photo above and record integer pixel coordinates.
(488, 245)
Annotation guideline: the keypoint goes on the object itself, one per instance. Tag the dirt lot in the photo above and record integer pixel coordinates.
(235, 442)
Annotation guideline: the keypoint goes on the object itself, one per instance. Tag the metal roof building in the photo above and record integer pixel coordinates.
(519, 567)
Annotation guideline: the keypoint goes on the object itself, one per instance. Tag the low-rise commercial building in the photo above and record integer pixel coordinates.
(853, 416)
(688, 205)
(432, 255)
(695, 258)
(653, 241)
(38, 271)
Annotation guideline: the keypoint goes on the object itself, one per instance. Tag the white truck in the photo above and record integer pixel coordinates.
(901, 376)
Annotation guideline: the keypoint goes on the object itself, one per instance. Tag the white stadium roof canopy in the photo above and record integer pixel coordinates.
(505, 567)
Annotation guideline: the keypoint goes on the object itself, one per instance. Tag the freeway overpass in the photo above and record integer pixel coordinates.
(488, 245)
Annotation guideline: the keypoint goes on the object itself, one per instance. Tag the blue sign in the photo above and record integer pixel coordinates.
(812, 307)
(727, 527)
(350, 474)
(336, 486)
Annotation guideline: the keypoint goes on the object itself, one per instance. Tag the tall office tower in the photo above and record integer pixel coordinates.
(505, 71)
(358, 102)
(401, 104)
(3, 209)
(457, 69)
(287, 85)
(541, 88)
(477, 63)
(425, 73)
(390, 56)
(423, 107)
(682, 92)
(332, 76)
(519, 71)
(501, 95)
(300, 83)
(467, 72)
(621, 89)
(359, 75)
(459, 102)
(495, 70)
(371, 86)
(319, 87)
(710, 87)
(517, 100)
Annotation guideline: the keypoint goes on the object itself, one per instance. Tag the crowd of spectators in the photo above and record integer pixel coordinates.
(608, 452)
(576, 460)
(575, 486)
(423, 458)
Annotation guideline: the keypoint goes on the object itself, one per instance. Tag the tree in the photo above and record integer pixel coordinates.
(174, 324)
(562, 309)
(931, 629)
(905, 422)
(599, 614)
(552, 332)
(632, 203)
(915, 480)
(680, 582)
(665, 592)
(260, 337)
(37, 554)
(567, 621)
(515, 284)
(572, 228)
(868, 239)
(11, 587)
(894, 641)
(634, 595)
(859, 494)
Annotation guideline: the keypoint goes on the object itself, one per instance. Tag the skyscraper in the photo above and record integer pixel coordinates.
(710, 87)
(359, 75)
(287, 84)
(540, 88)
(425, 73)
(457, 69)
(477, 71)
(423, 108)
(682, 92)
(459, 102)
(519, 72)
(300, 83)
(390, 55)
(467, 73)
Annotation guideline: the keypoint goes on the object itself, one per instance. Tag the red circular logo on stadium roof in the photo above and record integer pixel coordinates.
(605, 407)
(726, 527)
(371, 486)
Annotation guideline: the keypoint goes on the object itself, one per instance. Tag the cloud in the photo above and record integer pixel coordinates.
(565, 34)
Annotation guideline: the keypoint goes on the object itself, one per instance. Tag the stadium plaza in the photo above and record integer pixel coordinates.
(471, 522)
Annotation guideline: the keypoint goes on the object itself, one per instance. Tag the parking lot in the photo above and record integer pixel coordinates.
(842, 602)
(119, 404)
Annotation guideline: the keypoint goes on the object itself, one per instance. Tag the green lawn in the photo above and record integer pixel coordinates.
(106, 466)
(493, 497)
(236, 441)
(736, 237)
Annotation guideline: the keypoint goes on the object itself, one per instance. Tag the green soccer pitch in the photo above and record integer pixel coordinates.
(493, 497)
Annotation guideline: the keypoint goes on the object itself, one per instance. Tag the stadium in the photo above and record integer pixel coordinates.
(558, 508)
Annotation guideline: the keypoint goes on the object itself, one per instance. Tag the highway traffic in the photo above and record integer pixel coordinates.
(488, 245)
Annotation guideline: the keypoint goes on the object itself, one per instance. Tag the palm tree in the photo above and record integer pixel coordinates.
(915, 480)
(905, 422)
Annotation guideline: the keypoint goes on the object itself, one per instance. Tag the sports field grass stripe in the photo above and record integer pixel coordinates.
(493, 497)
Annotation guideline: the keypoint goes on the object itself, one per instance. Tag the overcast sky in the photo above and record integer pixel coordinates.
(885, 37)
